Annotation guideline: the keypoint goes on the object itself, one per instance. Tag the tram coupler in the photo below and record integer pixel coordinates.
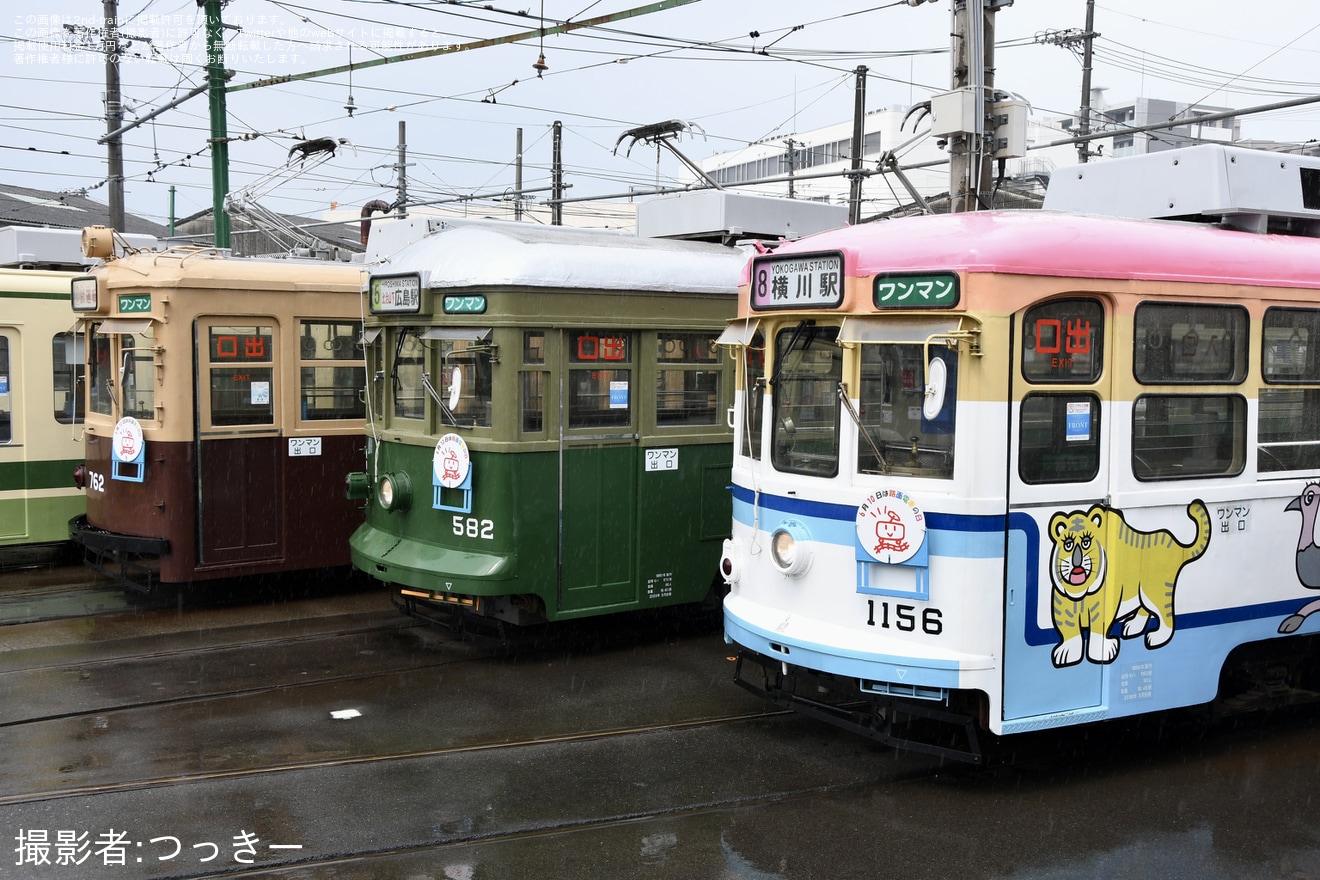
(885, 719)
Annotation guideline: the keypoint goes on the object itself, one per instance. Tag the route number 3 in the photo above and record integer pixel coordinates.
(471, 527)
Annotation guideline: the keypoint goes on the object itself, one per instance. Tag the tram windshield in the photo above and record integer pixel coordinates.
(123, 370)
(898, 432)
(807, 375)
(449, 365)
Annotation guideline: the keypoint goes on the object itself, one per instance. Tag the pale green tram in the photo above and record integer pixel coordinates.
(41, 383)
(41, 370)
(547, 419)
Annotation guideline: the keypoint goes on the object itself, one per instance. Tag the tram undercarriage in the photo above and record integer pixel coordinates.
(929, 728)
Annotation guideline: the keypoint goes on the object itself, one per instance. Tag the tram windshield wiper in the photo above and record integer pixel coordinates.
(792, 343)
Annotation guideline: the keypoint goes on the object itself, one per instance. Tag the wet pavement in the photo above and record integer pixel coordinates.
(327, 736)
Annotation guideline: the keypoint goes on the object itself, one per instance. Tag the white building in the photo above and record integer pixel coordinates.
(811, 165)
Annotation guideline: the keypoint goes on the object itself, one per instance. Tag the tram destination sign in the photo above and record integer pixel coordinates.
(938, 291)
(396, 293)
(797, 281)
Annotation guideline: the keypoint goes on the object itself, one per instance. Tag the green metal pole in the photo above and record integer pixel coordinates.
(215, 59)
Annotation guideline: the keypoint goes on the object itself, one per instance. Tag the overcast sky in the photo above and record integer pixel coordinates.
(738, 71)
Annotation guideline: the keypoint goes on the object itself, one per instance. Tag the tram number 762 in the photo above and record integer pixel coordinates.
(904, 617)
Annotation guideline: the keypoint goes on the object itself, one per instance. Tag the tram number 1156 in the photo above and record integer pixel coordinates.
(904, 617)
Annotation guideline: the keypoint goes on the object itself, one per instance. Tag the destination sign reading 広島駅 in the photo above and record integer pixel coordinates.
(800, 281)
(396, 293)
(938, 291)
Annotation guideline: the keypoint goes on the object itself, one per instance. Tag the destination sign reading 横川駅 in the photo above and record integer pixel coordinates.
(916, 291)
(396, 293)
(800, 281)
(472, 304)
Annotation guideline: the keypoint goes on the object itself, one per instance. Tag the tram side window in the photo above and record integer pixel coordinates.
(753, 396)
(894, 436)
(1062, 341)
(599, 379)
(1187, 343)
(1059, 438)
(6, 386)
(807, 373)
(139, 376)
(242, 372)
(67, 374)
(406, 371)
(533, 383)
(688, 379)
(331, 370)
(1289, 419)
(1188, 435)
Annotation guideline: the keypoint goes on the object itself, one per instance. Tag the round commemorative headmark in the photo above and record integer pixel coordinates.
(451, 462)
(127, 442)
(890, 526)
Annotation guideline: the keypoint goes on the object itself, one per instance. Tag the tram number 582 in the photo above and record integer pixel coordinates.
(471, 527)
(904, 617)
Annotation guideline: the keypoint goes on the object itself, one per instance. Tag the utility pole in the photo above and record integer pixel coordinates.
(517, 177)
(557, 178)
(974, 72)
(215, 66)
(1084, 124)
(401, 197)
(791, 158)
(114, 114)
(858, 144)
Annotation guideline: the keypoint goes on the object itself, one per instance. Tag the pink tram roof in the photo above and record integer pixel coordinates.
(1069, 245)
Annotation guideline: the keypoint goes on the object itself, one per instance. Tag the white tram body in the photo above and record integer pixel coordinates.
(1008, 471)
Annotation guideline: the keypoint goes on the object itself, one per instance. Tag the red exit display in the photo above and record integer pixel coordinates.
(239, 347)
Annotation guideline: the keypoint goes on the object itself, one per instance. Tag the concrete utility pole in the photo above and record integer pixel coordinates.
(858, 145)
(517, 177)
(557, 177)
(791, 159)
(1084, 123)
(114, 114)
(973, 70)
(401, 197)
(215, 66)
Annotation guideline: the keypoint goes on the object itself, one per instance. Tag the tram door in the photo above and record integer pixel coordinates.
(240, 480)
(598, 413)
(13, 512)
(1059, 463)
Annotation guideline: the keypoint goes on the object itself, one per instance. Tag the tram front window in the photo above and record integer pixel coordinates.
(895, 436)
(406, 373)
(101, 375)
(465, 382)
(139, 372)
(808, 369)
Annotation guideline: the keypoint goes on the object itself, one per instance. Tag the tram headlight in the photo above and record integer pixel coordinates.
(789, 550)
(394, 492)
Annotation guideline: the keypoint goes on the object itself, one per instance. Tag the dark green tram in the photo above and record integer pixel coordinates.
(547, 426)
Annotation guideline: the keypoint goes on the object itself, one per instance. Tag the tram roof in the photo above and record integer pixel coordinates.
(522, 255)
(204, 268)
(1070, 245)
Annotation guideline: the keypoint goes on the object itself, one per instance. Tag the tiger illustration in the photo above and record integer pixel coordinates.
(1105, 571)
